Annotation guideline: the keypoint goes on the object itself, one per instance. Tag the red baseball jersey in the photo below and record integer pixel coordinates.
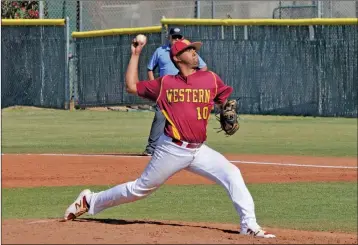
(186, 102)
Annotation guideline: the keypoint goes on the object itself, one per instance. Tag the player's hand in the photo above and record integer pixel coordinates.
(136, 47)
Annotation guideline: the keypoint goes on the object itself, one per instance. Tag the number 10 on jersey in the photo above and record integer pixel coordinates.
(203, 112)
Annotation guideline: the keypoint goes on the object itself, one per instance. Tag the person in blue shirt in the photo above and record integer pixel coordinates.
(161, 59)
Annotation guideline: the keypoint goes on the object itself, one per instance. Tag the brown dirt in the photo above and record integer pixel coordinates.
(45, 170)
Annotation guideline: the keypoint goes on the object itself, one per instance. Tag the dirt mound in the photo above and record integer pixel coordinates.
(106, 231)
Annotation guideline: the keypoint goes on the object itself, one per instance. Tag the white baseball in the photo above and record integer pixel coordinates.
(141, 38)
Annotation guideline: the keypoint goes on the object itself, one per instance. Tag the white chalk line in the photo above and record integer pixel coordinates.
(75, 155)
(41, 221)
(233, 161)
(294, 165)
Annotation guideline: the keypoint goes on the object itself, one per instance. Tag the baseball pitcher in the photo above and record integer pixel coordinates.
(186, 100)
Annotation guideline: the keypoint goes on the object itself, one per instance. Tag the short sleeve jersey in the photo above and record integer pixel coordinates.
(186, 102)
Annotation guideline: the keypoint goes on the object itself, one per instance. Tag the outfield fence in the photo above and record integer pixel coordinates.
(285, 67)
(101, 62)
(276, 66)
(280, 67)
(34, 62)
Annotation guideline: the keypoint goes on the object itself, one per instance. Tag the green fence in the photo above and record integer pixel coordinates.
(102, 58)
(34, 63)
(280, 67)
(298, 68)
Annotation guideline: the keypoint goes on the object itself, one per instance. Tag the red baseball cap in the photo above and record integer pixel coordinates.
(181, 45)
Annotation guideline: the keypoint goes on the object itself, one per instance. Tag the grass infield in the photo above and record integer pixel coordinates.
(304, 206)
(26, 130)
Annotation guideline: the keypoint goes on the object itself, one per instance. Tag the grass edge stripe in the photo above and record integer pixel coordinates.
(232, 22)
(140, 156)
(294, 164)
(32, 22)
(118, 31)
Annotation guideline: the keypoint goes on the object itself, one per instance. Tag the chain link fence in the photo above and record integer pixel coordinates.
(121, 14)
(61, 10)
(284, 70)
(278, 70)
(316, 9)
(33, 66)
(99, 15)
(102, 63)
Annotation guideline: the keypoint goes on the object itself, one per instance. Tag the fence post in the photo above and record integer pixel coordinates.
(280, 9)
(246, 35)
(320, 96)
(42, 55)
(319, 9)
(197, 9)
(79, 16)
(64, 9)
(164, 32)
(331, 9)
(212, 10)
(320, 87)
(72, 67)
(67, 54)
(311, 32)
(41, 6)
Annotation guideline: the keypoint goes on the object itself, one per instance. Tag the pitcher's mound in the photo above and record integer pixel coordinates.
(104, 231)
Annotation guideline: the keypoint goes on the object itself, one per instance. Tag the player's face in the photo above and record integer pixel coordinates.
(189, 57)
(173, 39)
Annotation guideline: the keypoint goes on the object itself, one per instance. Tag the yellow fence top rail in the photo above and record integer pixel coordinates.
(232, 22)
(111, 32)
(32, 22)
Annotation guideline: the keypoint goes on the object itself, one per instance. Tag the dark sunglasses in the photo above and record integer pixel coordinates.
(177, 36)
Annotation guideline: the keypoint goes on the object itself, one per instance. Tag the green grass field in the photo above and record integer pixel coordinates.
(53, 131)
(308, 206)
(305, 206)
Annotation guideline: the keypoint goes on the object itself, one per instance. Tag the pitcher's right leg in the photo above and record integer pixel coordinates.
(167, 160)
(123, 193)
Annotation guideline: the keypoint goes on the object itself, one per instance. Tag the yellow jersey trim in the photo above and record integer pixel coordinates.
(161, 87)
(216, 83)
(175, 129)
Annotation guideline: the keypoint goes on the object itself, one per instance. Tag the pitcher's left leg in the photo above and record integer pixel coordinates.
(213, 165)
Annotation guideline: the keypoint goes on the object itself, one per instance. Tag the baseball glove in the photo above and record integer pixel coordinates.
(228, 117)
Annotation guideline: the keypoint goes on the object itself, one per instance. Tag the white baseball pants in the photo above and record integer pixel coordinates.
(170, 158)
